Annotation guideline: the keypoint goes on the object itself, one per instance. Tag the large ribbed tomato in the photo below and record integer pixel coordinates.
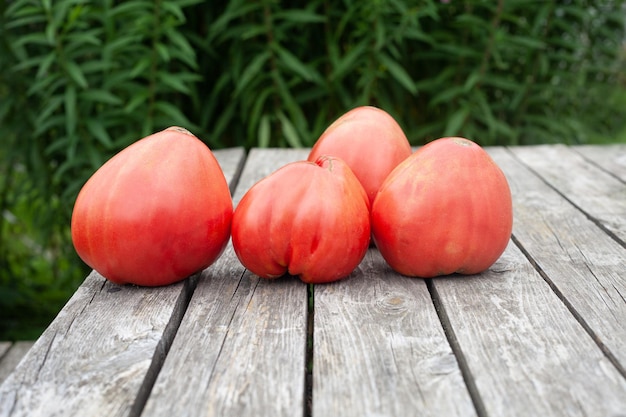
(445, 209)
(369, 140)
(307, 219)
(155, 213)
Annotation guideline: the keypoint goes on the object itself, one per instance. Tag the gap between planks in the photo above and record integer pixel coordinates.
(593, 219)
(231, 161)
(448, 330)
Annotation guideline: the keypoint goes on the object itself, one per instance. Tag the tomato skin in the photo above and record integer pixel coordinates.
(369, 140)
(307, 219)
(155, 213)
(445, 209)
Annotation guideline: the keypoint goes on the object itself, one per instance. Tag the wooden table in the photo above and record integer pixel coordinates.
(541, 333)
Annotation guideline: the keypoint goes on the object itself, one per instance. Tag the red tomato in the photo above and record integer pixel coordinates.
(369, 140)
(155, 213)
(308, 219)
(445, 209)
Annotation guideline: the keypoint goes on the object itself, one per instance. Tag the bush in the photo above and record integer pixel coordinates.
(79, 80)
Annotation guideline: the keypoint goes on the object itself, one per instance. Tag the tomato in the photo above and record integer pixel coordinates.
(445, 209)
(369, 140)
(155, 213)
(307, 219)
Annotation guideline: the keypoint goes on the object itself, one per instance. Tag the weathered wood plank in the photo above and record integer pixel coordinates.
(263, 162)
(240, 349)
(101, 353)
(231, 161)
(593, 190)
(611, 158)
(583, 263)
(4, 347)
(379, 349)
(524, 351)
(11, 353)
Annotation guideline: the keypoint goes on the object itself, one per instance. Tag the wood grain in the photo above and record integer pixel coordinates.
(597, 193)
(524, 351)
(583, 263)
(379, 349)
(4, 347)
(611, 158)
(101, 353)
(241, 346)
(541, 333)
(231, 161)
(11, 353)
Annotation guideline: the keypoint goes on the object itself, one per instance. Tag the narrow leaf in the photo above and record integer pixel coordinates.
(174, 113)
(289, 131)
(264, 132)
(70, 110)
(294, 64)
(174, 82)
(76, 74)
(100, 96)
(97, 129)
(300, 16)
(398, 73)
(252, 69)
(456, 121)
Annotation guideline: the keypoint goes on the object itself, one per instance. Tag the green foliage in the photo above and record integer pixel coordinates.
(79, 80)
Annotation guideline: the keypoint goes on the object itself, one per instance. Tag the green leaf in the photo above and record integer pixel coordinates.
(447, 95)
(173, 81)
(253, 69)
(347, 64)
(70, 110)
(163, 51)
(398, 73)
(257, 112)
(300, 16)
(36, 38)
(173, 113)
(174, 9)
(100, 96)
(130, 8)
(28, 20)
(294, 64)
(526, 42)
(136, 100)
(50, 107)
(456, 121)
(76, 74)
(471, 81)
(289, 131)
(264, 132)
(97, 129)
(141, 67)
(183, 48)
(45, 65)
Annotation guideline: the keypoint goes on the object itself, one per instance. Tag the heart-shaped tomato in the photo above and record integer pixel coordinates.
(307, 219)
(447, 208)
(155, 213)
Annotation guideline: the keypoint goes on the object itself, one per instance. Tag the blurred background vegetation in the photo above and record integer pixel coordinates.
(79, 80)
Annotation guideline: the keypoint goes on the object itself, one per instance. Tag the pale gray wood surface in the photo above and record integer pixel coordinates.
(4, 347)
(11, 353)
(380, 350)
(598, 193)
(611, 158)
(240, 349)
(101, 354)
(584, 264)
(524, 351)
(541, 333)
